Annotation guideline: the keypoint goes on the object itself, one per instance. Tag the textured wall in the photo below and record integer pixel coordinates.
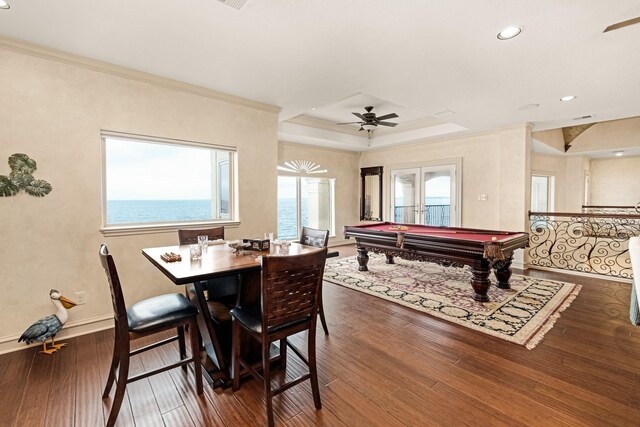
(53, 110)
(615, 181)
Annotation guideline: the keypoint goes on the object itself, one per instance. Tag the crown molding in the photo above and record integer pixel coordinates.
(127, 73)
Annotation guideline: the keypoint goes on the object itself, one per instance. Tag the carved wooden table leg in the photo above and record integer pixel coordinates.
(363, 259)
(480, 280)
(502, 270)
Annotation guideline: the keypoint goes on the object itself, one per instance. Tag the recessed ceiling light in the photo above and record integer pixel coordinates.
(618, 153)
(567, 98)
(4, 4)
(509, 33)
(313, 109)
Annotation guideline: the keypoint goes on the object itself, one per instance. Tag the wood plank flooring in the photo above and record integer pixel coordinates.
(382, 365)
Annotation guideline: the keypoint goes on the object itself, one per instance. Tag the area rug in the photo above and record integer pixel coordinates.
(522, 314)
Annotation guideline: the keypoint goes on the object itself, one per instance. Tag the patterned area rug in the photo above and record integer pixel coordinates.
(522, 314)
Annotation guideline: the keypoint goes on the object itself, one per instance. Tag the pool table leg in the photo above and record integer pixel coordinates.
(502, 269)
(363, 259)
(480, 280)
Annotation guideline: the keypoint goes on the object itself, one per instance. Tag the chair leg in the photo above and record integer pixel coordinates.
(182, 346)
(195, 354)
(313, 371)
(322, 319)
(266, 374)
(115, 360)
(121, 386)
(283, 354)
(235, 354)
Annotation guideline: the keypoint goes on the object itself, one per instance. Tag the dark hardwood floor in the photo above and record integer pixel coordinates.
(382, 365)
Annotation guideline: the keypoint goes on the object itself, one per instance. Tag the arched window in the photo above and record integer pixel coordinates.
(304, 198)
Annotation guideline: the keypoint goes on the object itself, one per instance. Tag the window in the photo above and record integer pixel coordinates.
(542, 193)
(156, 181)
(304, 201)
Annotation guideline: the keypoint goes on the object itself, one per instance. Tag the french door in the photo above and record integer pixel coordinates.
(425, 195)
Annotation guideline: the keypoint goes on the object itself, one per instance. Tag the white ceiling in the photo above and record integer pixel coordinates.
(416, 58)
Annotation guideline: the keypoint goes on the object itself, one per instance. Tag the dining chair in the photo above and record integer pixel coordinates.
(290, 292)
(319, 238)
(219, 296)
(144, 318)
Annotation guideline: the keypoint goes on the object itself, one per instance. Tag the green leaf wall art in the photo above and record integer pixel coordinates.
(21, 178)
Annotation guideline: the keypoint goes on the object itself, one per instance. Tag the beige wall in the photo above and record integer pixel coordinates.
(53, 110)
(556, 166)
(615, 181)
(552, 138)
(608, 136)
(495, 164)
(341, 165)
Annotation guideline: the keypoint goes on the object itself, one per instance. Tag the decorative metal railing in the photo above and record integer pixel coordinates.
(584, 242)
(437, 215)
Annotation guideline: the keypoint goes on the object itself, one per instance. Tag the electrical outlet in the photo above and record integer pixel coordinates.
(81, 297)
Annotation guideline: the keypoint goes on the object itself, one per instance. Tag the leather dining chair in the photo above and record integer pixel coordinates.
(144, 318)
(220, 294)
(319, 238)
(290, 287)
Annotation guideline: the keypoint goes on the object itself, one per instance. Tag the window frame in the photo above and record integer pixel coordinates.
(550, 187)
(168, 226)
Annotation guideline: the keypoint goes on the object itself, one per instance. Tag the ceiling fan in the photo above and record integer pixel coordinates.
(370, 122)
(622, 24)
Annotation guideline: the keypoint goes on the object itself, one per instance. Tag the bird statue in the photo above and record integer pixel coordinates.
(49, 326)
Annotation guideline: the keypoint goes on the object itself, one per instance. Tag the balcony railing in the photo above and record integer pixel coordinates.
(437, 215)
(586, 242)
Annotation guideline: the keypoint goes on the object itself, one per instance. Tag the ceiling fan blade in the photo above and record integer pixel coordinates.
(358, 115)
(349, 123)
(622, 24)
(387, 124)
(387, 116)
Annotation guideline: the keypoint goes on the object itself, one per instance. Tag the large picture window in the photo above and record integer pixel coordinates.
(304, 201)
(156, 181)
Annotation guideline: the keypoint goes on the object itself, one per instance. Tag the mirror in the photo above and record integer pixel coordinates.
(371, 194)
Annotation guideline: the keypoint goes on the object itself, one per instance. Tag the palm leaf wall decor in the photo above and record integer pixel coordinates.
(21, 178)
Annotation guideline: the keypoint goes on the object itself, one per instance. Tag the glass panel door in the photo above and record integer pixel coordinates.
(426, 195)
(405, 196)
(439, 195)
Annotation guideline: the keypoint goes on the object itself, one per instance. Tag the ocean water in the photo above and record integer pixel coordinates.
(145, 211)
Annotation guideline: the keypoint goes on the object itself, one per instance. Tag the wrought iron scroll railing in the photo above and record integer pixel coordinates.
(438, 215)
(585, 242)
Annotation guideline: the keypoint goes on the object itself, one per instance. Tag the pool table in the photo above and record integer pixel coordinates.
(482, 250)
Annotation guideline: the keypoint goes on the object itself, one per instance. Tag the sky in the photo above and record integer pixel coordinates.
(153, 171)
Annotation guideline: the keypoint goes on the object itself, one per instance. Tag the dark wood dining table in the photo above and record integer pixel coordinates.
(219, 261)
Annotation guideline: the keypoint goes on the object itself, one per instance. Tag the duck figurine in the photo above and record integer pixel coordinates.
(49, 326)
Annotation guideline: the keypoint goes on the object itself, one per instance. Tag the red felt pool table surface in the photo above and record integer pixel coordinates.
(450, 232)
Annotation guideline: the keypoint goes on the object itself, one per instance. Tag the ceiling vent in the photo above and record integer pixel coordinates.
(236, 4)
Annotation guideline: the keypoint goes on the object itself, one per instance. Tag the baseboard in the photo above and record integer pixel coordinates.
(10, 343)
(580, 273)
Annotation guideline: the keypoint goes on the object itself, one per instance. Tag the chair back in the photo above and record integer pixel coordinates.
(290, 286)
(314, 237)
(190, 237)
(119, 307)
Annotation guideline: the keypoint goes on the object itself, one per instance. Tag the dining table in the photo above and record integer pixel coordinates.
(219, 260)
